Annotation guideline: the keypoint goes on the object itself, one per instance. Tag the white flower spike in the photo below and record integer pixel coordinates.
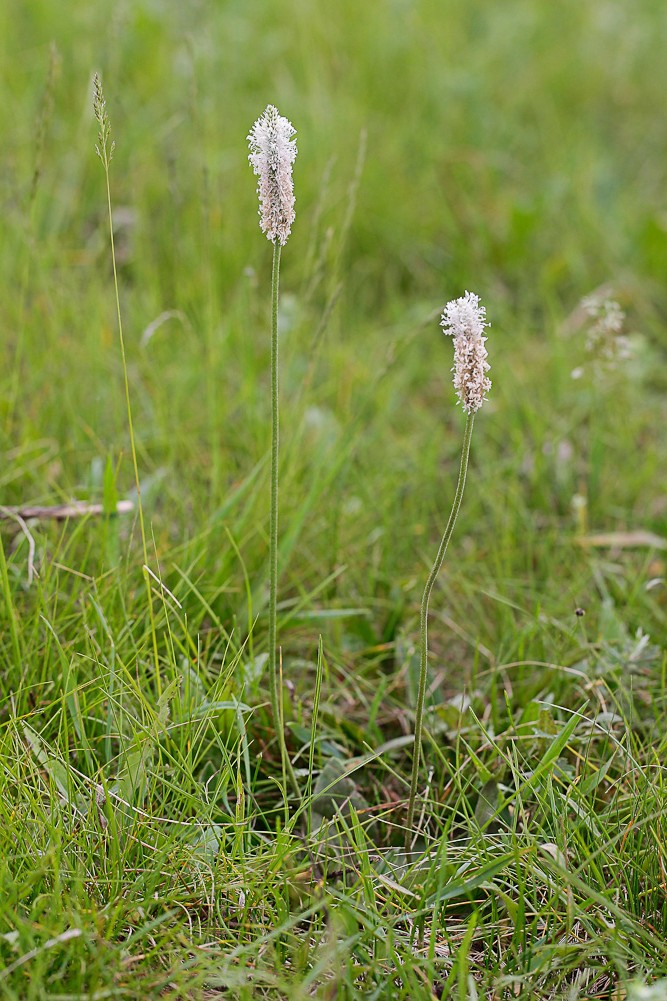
(605, 339)
(464, 319)
(272, 153)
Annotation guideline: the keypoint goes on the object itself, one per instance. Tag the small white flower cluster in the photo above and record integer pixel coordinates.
(604, 338)
(464, 320)
(605, 342)
(272, 153)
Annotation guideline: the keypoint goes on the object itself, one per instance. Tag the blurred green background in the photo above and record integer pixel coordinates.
(515, 148)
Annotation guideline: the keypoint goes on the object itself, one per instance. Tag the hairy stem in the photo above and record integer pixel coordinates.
(276, 702)
(423, 668)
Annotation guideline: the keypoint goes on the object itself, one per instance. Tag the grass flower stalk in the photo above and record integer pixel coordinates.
(464, 320)
(105, 149)
(272, 153)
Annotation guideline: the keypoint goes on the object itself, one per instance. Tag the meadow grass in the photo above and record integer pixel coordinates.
(146, 847)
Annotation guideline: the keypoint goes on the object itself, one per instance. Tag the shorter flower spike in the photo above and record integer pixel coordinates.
(464, 319)
(272, 153)
(605, 339)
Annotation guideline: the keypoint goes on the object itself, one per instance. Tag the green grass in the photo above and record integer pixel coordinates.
(146, 851)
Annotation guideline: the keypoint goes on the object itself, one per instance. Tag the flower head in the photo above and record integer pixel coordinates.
(464, 319)
(605, 340)
(272, 153)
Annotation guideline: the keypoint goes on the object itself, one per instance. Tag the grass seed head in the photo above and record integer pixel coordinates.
(103, 149)
(272, 153)
(465, 320)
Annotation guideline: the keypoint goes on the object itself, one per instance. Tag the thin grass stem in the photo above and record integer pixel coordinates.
(105, 155)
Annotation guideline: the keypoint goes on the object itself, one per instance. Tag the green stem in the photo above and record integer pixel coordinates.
(423, 668)
(273, 530)
(137, 483)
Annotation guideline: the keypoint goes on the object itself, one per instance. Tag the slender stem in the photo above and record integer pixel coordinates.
(273, 528)
(105, 161)
(423, 668)
(125, 377)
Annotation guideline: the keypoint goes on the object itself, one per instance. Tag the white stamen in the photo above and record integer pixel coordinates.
(272, 153)
(464, 319)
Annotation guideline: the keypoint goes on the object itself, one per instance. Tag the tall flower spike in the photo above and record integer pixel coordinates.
(272, 153)
(464, 319)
